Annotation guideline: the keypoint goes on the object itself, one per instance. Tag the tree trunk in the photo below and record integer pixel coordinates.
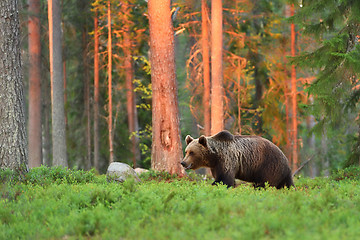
(110, 118)
(65, 95)
(86, 98)
(166, 145)
(96, 93)
(206, 67)
(293, 98)
(13, 139)
(310, 123)
(130, 94)
(46, 102)
(35, 132)
(57, 85)
(325, 165)
(217, 90)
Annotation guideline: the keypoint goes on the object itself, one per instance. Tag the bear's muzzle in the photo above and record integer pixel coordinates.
(183, 163)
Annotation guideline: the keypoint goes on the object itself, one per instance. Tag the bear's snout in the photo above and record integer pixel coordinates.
(185, 165)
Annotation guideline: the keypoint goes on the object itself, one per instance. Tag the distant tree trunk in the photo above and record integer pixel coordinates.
(46, 102)
(206, 67)
(217, 90)
(310, 123)
(65, 95)
(293, 98)
(35, 132)
(130, 94)
(96, 93)
(110, 118)
(239, 95)
(57, 87)
(13, 137)
(324, 153)
(166, 146)
(86, 98)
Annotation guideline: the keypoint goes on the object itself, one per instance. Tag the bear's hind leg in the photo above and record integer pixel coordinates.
(286, 182)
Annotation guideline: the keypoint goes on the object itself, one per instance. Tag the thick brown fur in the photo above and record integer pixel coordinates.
(248, 158)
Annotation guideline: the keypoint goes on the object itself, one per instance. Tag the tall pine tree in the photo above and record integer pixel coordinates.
(336, 90)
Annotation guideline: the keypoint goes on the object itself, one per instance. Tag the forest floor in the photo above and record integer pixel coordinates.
(67, 204)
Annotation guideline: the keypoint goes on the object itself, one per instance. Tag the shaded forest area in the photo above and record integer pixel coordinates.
(289, 71)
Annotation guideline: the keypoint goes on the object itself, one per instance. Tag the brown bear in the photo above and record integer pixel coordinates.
(248, 158)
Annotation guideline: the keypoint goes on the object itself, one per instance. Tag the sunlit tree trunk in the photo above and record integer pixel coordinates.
(293, 98)
(96, 92)
(206, 67)
(35, 132)
(166, 145)
(217, 90)
(130, 94)
(13, 137)
(110, 118)
(57, 87)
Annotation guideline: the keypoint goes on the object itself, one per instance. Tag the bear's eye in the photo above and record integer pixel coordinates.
(191, 153)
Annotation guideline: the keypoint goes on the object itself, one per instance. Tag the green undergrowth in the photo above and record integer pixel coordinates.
(68, 204)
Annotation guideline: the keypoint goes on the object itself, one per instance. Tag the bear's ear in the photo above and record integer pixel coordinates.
(188, 139)
(203, 141)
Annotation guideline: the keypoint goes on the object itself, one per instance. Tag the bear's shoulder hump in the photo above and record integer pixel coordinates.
(223, 136)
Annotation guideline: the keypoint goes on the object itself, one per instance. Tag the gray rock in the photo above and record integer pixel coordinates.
(139, 171)
(120, 172)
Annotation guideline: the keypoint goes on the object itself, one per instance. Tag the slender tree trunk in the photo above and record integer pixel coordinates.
(35, 132)
(239, 96)
(86, 98)
(217, 90)
(293, 97)
(96, 93)
(206, 67)
(13, 139)
(130, 94)
(310, 123)
(57, 85)
(110, 118)
(166, 145)
(46, 102)
(324, 150)
(65, 94)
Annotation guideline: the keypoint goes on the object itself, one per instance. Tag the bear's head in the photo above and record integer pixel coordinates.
(195, 153)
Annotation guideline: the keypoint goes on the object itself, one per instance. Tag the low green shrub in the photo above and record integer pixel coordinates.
(164, 207)
(351, 173)
(47, 175)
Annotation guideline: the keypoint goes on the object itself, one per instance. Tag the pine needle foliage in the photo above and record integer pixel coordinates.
(335, 25)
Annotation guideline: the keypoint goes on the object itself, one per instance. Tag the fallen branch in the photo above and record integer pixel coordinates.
(302, 165)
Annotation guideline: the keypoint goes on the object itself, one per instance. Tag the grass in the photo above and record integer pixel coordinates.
(67, 204)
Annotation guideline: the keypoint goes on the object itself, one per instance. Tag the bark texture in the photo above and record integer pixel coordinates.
(96, 93)
(13, 137)
(34, 130)
(110, 118)
(130, 94)
(206, 67)
(166, 145)
(57, 85)
(217, 90)
(87, 98)
(294, 144)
